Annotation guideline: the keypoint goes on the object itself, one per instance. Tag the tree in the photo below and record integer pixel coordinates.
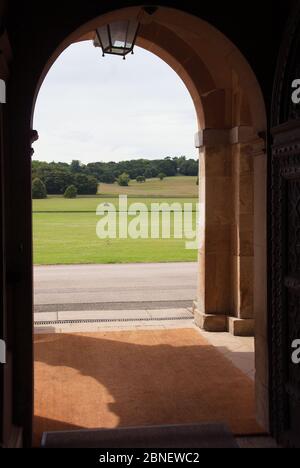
(95, 169)
(57, 176)
(141, 179)
(86, 185)
(57, 180)
(39, 191)
(168, 167)
(123, 180)
(148, 173)
(189, 168)
(76, 167)
(71, 192)
(151, 172)
(161, 176)
(108, 178)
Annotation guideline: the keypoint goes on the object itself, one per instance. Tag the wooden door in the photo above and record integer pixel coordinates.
(285, 265)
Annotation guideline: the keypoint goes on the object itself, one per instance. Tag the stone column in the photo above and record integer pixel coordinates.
(226, 256)
(214, 299)
(241, 320)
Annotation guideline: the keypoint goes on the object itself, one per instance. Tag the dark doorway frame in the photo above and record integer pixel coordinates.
(34, 21)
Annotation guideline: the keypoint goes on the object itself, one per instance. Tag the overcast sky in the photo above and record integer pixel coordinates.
(105, 109)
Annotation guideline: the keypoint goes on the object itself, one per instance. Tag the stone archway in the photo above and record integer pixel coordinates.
(231, 119)
(232, 287)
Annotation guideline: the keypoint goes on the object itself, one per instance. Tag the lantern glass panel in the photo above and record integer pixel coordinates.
(131, 34)
(118, 32)
(103, 33)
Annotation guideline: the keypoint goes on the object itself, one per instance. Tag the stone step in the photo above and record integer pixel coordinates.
(200, 436)
(112, 315)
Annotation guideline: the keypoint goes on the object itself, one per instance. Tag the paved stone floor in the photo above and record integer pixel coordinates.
(155, 375)
(240, 351)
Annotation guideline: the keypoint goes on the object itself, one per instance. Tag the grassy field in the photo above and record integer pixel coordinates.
(64, 231)
(170, 187)
(89, 204)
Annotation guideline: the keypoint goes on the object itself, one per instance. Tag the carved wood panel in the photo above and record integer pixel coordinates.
(285, 320)
(283, 110)
(285, 232)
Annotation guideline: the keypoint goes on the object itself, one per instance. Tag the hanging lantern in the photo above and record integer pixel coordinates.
(117, 38)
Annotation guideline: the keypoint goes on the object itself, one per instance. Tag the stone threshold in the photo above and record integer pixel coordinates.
(111, 306)
(81, 321)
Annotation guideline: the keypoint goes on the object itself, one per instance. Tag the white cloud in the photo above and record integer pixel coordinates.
(103, 109)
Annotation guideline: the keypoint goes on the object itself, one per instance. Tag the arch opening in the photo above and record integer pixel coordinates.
(232, 181)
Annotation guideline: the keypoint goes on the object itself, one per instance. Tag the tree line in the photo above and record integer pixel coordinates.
(57, 177)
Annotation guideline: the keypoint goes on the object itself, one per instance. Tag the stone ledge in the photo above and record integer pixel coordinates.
(211, 137)
(210, 323)
(241, 327)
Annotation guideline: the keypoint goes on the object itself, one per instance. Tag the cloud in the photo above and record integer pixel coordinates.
(93, 108)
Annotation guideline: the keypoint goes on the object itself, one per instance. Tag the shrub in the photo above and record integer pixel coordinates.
(161, 176)
(123, 180)
(71, 192)
(141, 179)
(38, 189)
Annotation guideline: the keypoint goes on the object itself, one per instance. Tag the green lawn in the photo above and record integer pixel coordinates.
(89, 204)
(65, 238)
(170, 187)
(65, 233)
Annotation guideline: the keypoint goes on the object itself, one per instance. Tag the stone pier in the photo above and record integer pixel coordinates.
(226, 252)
